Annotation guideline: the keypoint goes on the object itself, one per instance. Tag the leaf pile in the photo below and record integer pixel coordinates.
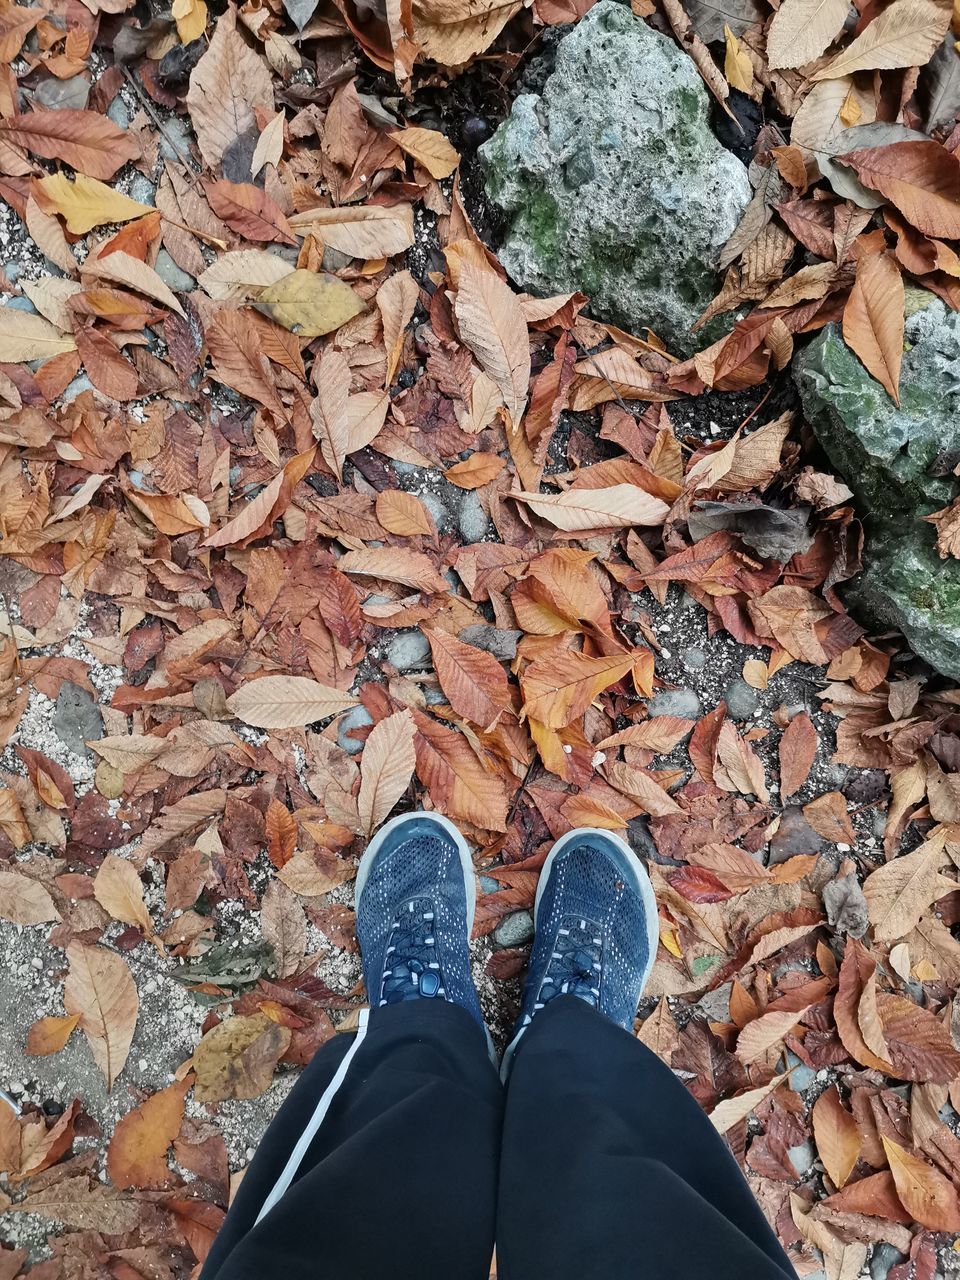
(233, 519)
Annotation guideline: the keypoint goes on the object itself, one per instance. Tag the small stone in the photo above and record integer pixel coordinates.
(75, 388)
(436, 507)
(693, 659)
(501, 643)
(883, 1258)
(514, 930)
(76, 719)
(802, 1157)
(801, 1076)
(57, 94)
(22, 304)
(142, 189)
(488, 884)
(119, 113)
(473, 521)
(409, 650)
(334, 260)
(715, 1005)
(171, 275)
(355, 718)
(741, 700)
(13, 271)
(176, 130)
(683, 703)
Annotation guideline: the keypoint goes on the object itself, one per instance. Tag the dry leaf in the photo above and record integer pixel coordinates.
(136, 1156)
(619, 507)
(362, 231)
(283, 923)
(873, 319)
(386, 768)
(100, 989)
(902, 891)
(903, 35)
(117, 888)
(396, 301)
(286, 702)
(921, 178)
(492, 326)
(50, 1034)
(923, 1190)
(477, 470)
(403, 514)
(237, 1058)
(732, 1110)
(460, 784)
(226, 85)
(765, 1032)
(429, 148)
(474, 682)
(802, 29)
(309, 303)
(22, 899)
(86, 203)
(836, 1135)
(559, 689)
(26, 337)
(798, 750)
(85, 140)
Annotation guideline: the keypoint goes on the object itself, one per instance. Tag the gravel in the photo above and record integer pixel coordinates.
(742, 701)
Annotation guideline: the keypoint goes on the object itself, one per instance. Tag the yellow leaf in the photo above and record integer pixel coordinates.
(191, 19)
(26, 337)
(737, 66)
(430, 149)
(88, 203)
(309, 303)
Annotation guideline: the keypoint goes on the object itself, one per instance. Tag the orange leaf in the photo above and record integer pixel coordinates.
(403, 514)
(559, 689)
(829, 818)
(249, 211)
(136, 1156)
(50, 1034)
(798, 749)
(477, 470)
(473, 680)
(281, 833)
(836, 1135)
(386, 768)
(873, 317)
(922, 178)
(460, 784)
(923, 1190)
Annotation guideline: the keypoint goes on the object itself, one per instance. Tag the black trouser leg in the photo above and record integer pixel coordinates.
(400, 1180)
(609, 1169)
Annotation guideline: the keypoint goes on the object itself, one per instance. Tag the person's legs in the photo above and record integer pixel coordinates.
(608, 1167)
(383, 1161)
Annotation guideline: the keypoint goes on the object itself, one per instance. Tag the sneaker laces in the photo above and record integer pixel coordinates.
(411, 967)
(575, 964)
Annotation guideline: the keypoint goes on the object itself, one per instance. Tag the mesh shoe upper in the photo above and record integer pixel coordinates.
(593, 936)
(413, 919)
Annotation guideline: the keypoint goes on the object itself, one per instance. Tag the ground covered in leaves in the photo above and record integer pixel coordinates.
(308, 517)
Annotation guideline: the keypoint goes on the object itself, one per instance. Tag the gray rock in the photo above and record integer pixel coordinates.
(75, 388)
(171, 275)
(899, 462)
(176, 130)
(119, 113)
(741, 700)
(437, 508)
(715, 1005)
(142, 189)
(514, 930)
(693, 659)
(472, 520)
(76, 719)
(801, 1076)
(675, 702)
(22, 304)
(355, 718)
(802, 1157)
(56, 94)
(488, 884)
(409, 650)
(883, 1258)
(613, 181)
(13, 271)
(502, 644)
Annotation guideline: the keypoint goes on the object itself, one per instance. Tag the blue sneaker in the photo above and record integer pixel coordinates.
(415, 898)
(596, 930)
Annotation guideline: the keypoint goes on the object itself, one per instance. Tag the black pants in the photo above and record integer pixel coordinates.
(593, 1162)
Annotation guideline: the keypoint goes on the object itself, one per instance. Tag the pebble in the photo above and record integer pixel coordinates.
(13, 271)
(355, 718)
(676, 702)
(693, 659)
(440, 514)
(715, 1005)
(802, 1157)
(409, 650)
(80, 384)
(22, 304)
(473, 521)
(884, 1257)
(802, 1076)
(488, 884)
(142, 189)
(177, 128)
(171, 275)
(514, 930)
(56, 94)
(742, 701)
(119, 113)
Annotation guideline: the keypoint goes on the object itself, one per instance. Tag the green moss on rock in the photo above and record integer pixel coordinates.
(613, 181)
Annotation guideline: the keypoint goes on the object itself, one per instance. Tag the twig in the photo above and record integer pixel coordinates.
(147, 105)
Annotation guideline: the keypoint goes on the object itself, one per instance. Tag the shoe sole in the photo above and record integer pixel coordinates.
(634, 869)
